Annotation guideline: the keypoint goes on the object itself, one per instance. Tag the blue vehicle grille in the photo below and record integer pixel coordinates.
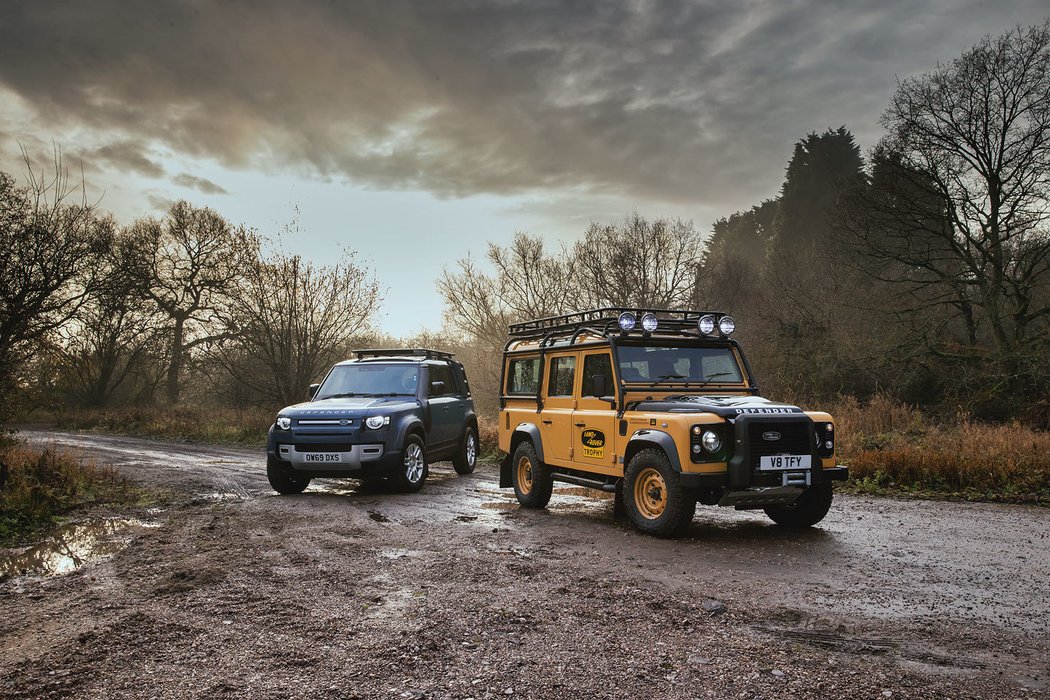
(324, 447)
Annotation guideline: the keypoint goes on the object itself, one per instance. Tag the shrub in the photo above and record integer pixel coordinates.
(36, 486)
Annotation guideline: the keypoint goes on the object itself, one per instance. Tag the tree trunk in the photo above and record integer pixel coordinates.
(175, 368)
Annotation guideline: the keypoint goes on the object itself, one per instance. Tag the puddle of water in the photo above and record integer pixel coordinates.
(71, 546)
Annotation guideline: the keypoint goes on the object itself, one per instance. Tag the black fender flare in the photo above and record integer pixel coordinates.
(471, 420)
(646, 437)
(526, 430)
(409, 424)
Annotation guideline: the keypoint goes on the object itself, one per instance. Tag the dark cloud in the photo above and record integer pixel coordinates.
(125, 156)
(671, 101)
(198, 183)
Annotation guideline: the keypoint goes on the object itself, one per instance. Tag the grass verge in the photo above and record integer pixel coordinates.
(246, 427)
(38, 487)
(894, 449)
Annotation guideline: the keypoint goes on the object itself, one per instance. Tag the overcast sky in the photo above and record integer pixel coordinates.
(415, 132)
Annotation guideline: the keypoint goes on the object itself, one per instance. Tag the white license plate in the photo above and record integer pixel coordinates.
(322, 457)
(784, 462)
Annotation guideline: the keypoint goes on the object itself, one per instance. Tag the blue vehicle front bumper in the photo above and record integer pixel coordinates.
(335, 455)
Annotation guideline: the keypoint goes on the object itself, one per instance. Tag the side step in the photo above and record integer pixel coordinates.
(761, 497)
(580, 481)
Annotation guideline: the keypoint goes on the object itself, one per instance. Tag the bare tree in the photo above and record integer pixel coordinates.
(963, 219)
(112, 346)
(528, 282)
(293, 320)
(49, 254)
(639, 263)
(190, 266)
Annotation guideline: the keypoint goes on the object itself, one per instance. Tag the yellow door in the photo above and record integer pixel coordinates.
(558, 405)
(594, 420)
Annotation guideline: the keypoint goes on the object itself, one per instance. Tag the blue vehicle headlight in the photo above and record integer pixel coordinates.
(377, 422)
(284, 422)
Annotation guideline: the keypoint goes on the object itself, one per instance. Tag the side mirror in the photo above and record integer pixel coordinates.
(598, 387)
(437, 388)
(312, 391)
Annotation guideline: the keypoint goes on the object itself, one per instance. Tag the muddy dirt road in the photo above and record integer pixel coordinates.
(454, 592)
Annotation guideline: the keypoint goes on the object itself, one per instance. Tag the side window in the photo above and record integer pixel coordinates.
(463, 383)
(597, 375)
(563, 372)
(441, 373)
(523, 376)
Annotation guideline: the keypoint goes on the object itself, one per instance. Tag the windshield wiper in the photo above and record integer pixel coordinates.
(665, 377)
(345, 395)
(387, 393)
(710, 377)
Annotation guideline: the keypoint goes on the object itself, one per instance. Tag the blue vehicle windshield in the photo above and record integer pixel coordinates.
(677, 365)
(369, 379)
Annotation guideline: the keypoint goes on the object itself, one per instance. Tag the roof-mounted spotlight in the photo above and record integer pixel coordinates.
(649, 323)
(627, 321)
(726, 325)
(706, 324)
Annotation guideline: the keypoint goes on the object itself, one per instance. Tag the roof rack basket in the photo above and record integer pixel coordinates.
(605, 321)
(404, 352)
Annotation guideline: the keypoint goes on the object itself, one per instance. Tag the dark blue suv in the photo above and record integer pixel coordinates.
(387, 414)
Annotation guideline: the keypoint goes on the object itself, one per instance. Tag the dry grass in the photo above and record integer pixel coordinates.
(890, 446)
(36, 486)
(488, 438)
(225, 426)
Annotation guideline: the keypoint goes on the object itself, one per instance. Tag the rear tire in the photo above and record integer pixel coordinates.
(467, 455)
(653, 496)
(533, 484)
(807, 511)
(283, 478)
(414, 468)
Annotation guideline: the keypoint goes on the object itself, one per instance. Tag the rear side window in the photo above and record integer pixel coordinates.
(463, 379)
(563, 372)
(523, 376)
(441, 373)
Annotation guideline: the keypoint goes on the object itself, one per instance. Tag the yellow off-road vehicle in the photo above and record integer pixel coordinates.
(661, 408)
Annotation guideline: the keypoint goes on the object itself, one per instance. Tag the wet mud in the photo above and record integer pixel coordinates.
(355, 591)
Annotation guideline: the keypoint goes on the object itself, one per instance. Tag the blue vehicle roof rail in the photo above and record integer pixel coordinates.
(404, 352)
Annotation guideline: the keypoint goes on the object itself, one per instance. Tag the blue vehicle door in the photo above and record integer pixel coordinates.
(444, 405)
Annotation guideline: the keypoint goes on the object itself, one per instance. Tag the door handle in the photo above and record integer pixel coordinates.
(547, 422)
(579, 425)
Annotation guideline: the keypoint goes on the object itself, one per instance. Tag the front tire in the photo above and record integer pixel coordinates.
(807, 511)
(654, 498)
(414, 468)
(533, 484)
(467, 456)
(283, 478)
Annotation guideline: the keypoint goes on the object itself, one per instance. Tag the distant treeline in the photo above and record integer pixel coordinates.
(921, 272)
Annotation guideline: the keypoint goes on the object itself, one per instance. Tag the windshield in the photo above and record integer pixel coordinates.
(677, 365)
(370, 380)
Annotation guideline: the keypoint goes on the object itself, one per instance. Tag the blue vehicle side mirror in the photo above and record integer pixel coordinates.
(313, 390)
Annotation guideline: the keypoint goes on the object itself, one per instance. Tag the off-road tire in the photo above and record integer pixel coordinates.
(283, 478)
(807, 511)
(413, 471)
(466, 457)
(533, 482)
(653, 495)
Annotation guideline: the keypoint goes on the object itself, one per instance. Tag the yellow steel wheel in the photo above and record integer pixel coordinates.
(525, 475)
(650, 493)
